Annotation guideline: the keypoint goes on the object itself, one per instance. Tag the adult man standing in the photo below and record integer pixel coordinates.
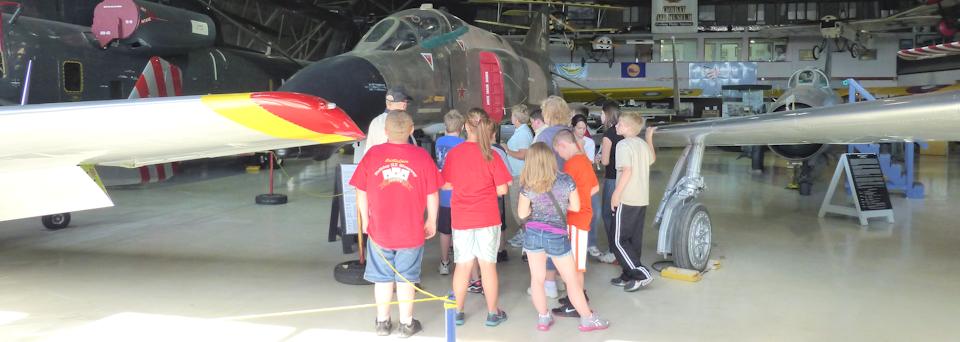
(396, 99)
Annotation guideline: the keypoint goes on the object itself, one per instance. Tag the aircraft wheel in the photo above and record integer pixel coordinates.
(692, 239)
(56, 221)
(350, 273)
(271, 199)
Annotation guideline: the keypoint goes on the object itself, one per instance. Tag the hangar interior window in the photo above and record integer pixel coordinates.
(72, 76)
(686, 50)
(721, 50)
(768, 50)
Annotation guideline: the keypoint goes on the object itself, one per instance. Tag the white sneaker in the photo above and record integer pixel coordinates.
(594, 251)
(444, 268)
(550, 294)
(608, 258)
(517, 240)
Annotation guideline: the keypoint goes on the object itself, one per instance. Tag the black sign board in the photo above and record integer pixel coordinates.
(868, 181)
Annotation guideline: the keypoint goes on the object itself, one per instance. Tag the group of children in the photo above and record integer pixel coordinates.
(553, 199)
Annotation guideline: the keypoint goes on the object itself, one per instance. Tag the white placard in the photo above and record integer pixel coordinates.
(199, 27)
(349, 198)
(674, 16)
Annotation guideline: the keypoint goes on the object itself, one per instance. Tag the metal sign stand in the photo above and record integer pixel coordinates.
(843, 166)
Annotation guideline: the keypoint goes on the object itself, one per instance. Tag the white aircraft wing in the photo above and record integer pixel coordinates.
(933, 116)
(894, 23)
(42, 146)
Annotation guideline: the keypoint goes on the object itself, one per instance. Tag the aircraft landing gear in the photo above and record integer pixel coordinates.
(686, 231)
(56, 221)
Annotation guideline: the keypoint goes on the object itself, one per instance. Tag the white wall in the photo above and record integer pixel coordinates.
(774, 73)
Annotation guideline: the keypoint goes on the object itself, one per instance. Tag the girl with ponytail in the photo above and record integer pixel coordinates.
(477, 176)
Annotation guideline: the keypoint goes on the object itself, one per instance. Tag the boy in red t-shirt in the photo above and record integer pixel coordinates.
(396, 182)
(578, 167)
(477, 176)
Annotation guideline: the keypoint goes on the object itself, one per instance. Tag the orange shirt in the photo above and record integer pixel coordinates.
(581, 170)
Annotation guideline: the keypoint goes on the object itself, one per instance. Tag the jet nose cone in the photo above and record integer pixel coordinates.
(353, 83)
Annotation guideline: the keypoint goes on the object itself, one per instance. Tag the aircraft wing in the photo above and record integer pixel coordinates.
(547, 2)
(43, 145)
(933, 116)
(792, 30)
(894, 23)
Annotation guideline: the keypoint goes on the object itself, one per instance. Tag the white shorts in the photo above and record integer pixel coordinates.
(578, 247)
(479, 243)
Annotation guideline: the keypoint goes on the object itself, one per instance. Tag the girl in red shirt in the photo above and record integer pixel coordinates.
(477, 175)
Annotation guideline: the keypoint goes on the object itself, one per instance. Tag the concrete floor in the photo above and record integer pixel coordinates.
(171, 258)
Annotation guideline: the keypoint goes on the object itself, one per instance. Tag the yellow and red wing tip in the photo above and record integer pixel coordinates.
(287, 115)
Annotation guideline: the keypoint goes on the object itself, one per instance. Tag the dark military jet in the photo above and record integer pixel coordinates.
(443, 62)
(104, 61)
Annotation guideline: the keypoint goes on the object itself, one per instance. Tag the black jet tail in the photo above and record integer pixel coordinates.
(535, 44)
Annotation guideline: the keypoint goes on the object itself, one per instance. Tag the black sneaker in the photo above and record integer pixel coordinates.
(635, 285)
(523, 257)
(384, 328)
(566, 310)
(502, 256)
(566, 299)
(407, 330)
(618, 282)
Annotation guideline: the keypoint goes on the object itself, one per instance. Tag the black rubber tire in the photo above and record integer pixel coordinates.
(350, 273)
(56, 221)
(682, 223)
(271, 199)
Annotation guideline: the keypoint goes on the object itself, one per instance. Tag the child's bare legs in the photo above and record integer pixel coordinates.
(461, 279)
(405, 294)
(538, 265)
(488, 272)
(565, 265)
(445, 241)
(383, 293)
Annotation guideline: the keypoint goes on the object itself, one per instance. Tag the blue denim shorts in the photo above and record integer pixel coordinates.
(539, 241)
(407, 261)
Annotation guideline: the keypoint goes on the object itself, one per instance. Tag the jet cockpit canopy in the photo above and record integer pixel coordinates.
(406, 29)
(810, 77)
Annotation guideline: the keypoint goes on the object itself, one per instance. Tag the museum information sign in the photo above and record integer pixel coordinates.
(869, 187)
(674, 16)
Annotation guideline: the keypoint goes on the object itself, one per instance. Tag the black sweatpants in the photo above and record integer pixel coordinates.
(628, 239)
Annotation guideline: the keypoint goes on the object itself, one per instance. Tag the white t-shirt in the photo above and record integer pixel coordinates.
(633, 152)
(377, 133)
(590, 148)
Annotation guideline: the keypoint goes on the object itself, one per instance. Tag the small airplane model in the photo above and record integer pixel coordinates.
(857, 36)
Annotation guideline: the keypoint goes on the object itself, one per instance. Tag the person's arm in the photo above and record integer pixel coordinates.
(433, 206)
(523, 206)
(605, 147)
(622, 180)
(574, 201)
(518, 154)
(653, 151)
(502, 189)
(594, 190)
(447, 186)
(362, 207)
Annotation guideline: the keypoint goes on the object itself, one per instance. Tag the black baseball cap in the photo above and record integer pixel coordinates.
(397, 94)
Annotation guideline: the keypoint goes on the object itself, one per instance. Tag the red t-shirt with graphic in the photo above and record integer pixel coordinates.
(475, 181)
(397, 179)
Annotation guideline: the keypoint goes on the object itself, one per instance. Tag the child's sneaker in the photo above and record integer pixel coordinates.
(608, 258)
(494, 319)
(476, 286)
(594, 322)
(407, 330)
(459, 319)
(444, 268)
(517, 240)
(594, 252)
(544, 322)
(384, 328)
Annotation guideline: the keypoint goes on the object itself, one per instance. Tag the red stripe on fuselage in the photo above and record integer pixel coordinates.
(144, 175)
(159, 76)
(161, 172)
(177, 86)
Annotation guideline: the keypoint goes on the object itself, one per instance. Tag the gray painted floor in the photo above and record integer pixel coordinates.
(171, 258)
